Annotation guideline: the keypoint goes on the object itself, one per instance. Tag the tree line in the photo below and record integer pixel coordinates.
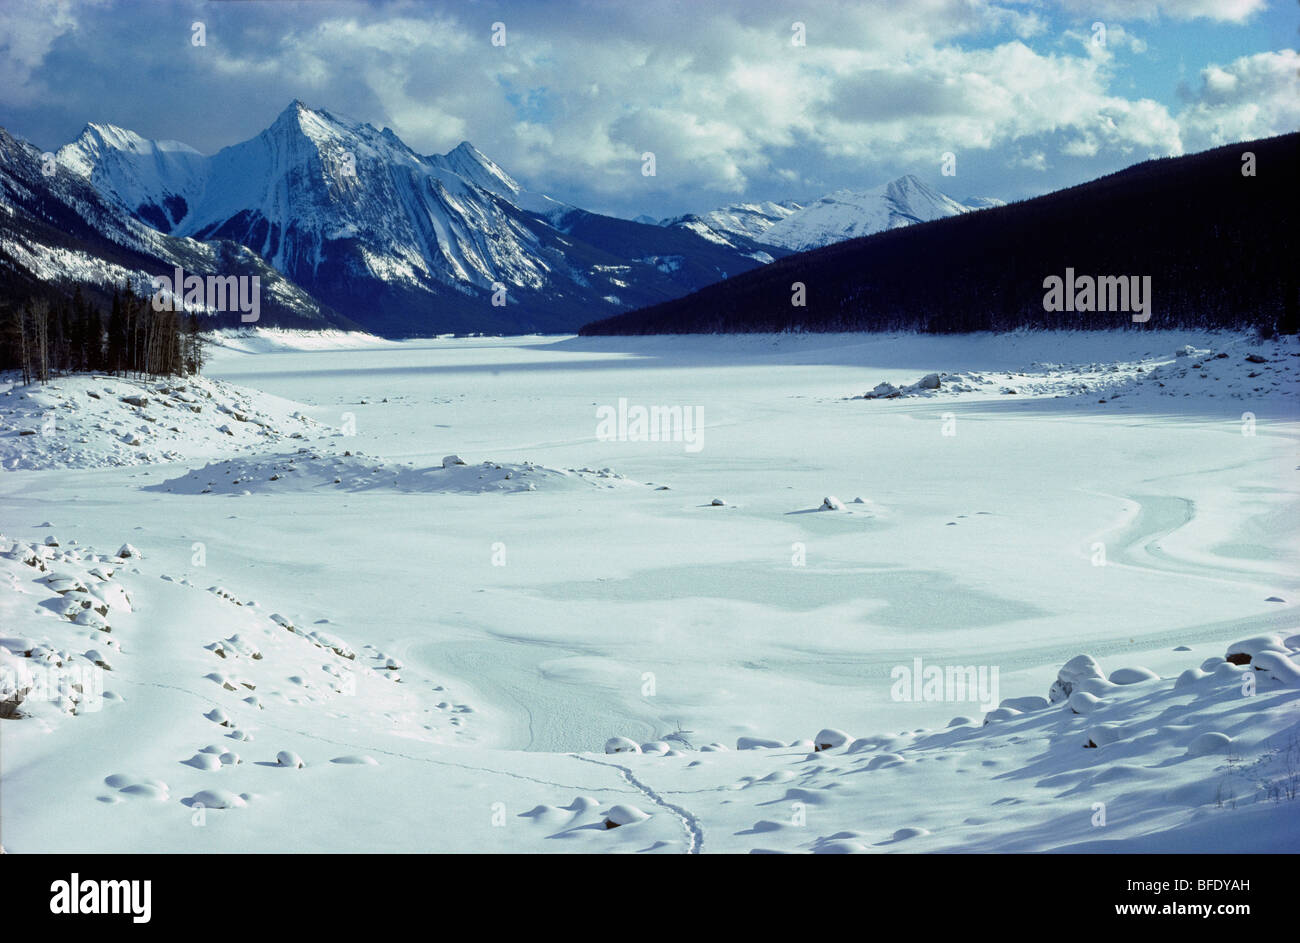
(44, 337)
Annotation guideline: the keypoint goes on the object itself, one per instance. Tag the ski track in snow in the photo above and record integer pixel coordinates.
(689, 822)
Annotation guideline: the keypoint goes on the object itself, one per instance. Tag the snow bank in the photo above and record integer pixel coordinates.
(91, 421)
(310, 470)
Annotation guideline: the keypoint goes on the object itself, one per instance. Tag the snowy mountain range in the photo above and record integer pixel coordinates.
(749, 221)
(844, 214)
(373, 233)
(57, 230)
(848, 214)
(400, 242)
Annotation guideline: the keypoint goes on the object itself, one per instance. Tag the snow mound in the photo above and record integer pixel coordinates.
(217, 799)
(262, 340)
(758, 743)
(95, 421)
(624, 815)
(1240, 368)
(1208, 744)
(1133, 676)
(313, 470)
(928, 385)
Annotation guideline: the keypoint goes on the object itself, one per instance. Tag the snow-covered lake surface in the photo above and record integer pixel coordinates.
(466, 639)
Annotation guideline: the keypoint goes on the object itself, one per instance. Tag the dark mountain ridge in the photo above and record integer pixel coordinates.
(1219, 246)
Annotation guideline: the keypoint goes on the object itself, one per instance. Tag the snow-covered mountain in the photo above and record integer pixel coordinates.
(401, 242)
(405, 243)
(735, 224)
(153, 180)
(848, 214)
(58, 231)
(844, 214)
(983, 202)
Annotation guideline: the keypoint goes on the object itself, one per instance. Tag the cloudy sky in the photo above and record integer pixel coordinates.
(1021, 91)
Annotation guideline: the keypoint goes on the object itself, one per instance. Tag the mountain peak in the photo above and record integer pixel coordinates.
(293, 113)
(909, 183)
(847, 214)
(101, 144)
(102, 134)
(317, 125)
(467, 161)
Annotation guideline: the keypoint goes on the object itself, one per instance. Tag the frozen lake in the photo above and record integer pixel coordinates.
(597, 607)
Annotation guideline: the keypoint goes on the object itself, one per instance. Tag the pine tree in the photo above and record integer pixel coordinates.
(116, 361)
(193, 345)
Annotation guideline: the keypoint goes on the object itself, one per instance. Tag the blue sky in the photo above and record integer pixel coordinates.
(1018, 90)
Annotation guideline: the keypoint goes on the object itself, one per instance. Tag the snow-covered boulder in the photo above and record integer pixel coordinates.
(1078, 669)
(1001, 713)
(1081, 702)
(758, 743)
(831, 739)
(1103, 734)
(832, 503)
(450, 460)
(1133, 676)
(1279, 667)
(1209, 744)
(290, 759)
(624, 815)
(1245, 651)
(112, 595)
(1189, 678)
(621, 745)
(218, 799)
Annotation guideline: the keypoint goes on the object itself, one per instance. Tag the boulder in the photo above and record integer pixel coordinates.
(621, 745)
(830, 739)
(1078, 669)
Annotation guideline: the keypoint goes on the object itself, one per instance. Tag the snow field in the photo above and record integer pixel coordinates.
(445, 669)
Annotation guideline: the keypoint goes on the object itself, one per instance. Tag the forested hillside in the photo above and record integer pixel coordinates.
(1218, 243)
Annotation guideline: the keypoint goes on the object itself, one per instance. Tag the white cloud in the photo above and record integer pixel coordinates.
(27, 32)
(718, 92)
(1252, 97)
(1226, 11)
